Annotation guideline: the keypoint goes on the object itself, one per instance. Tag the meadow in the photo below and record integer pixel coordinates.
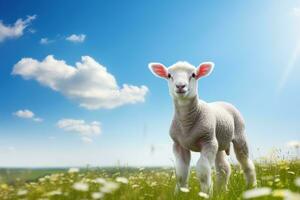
(280, 180)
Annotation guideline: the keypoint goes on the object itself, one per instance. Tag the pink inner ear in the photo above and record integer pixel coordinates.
(160, 70)
(203, 70)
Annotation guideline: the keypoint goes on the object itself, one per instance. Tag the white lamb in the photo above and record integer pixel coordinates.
(203, 127)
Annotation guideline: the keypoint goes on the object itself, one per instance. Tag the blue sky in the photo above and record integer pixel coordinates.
(255, 47)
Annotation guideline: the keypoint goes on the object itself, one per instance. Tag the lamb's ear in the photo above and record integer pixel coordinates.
(204, 69)
(158, 69)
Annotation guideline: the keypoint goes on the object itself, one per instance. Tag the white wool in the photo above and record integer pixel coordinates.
(182, 65)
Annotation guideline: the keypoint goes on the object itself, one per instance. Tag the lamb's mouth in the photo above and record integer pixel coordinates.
(181, 92)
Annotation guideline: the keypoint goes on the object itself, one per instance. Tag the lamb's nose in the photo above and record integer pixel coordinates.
(180, 86)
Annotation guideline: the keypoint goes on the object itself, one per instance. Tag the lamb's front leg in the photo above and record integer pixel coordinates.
(205, 164)
(183, 157)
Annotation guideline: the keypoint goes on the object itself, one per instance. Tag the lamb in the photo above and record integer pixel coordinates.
(208, 128)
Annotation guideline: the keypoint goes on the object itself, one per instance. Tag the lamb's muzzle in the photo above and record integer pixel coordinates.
(203, 127)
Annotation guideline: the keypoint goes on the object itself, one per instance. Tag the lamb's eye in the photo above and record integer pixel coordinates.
(169, 76)
(193, 75)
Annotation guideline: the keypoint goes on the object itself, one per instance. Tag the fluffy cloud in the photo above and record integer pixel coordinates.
(88, 82)
(45, 41)
(84, 129)
(76, 38)
(24, 114)
(37, 119)
(27, 114)
(16, 30)
(86, 140)
(296, 11)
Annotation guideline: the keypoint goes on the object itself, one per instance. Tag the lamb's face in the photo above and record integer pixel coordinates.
(182, 81)
(182, 77)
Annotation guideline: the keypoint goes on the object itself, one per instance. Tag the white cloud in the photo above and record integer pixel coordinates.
(86, 140)
(37, 119)
(45, 41)
(296, 11)
(31, 30)
(16, 30)
(24, 114)
(84, 129)
(27, 114)
(88, 82)
(80, 126)
(76, 38)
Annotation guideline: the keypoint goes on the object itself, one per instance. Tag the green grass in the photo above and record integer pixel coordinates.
(14, 175)
(148, 183)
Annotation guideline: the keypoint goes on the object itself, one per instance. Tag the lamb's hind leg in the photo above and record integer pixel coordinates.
(242, 154)
(223, 171)
(183, 157)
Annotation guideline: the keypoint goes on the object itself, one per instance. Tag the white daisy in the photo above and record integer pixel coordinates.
(22, 192)
(257, 192)
(203, 195)
(122, 180)
(184, 189)
(73, 170)
(109, 187)
(54, 193)
(79, 186)
(97, 195)
(100, 180)
(297, 181)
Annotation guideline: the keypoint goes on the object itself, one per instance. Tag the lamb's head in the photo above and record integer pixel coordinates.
(182, 77)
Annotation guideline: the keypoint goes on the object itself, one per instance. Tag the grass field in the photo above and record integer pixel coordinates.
(279, 181)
